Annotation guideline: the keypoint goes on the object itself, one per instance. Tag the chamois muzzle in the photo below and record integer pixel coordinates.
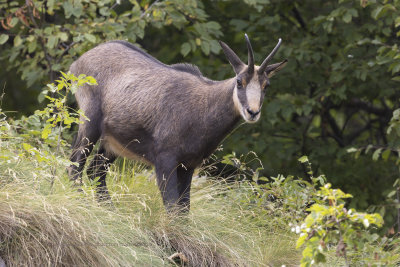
(253, 114)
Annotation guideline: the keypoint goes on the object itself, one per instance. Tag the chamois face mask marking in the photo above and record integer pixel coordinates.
(248, 96)
(251, 81)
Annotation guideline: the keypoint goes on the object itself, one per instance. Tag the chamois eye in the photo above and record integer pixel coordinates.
(239, 83)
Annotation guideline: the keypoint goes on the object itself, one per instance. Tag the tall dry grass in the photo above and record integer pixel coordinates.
(46, 221)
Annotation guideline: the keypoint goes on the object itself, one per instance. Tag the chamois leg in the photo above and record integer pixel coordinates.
(88, 134)
(167, 180)
(83, 146)
(184, 183)
(98, 167)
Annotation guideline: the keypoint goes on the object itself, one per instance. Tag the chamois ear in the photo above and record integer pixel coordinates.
(271, 70)
(235, 61)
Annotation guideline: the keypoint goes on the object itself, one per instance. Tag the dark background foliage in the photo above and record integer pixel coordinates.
(334, 101)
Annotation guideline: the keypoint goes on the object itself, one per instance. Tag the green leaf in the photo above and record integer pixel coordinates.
(50, 6)
(13, 22)
(17, 40)
(42, 95)
(214, 46)
(391, 194)
(27, 147)
(51, 42)
(369, 147)
(3, 38)
(397, 22)
(90, 37)
(352, 150)
(91, 80)
(375, 13)
(48, 30)
(63, 36)
(301, 240)
(375, 155)
(213, 25)
(303, 159)
(104, 11)
(347, 17)
(32, 46)
(185, 49)
(386, 154)
(46, 131)
(382, 10)
(205, 47)
(319, 257)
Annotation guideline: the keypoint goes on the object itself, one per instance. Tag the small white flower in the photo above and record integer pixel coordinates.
(312, 262)
(283, 265)
(298, 229)
(293, 229)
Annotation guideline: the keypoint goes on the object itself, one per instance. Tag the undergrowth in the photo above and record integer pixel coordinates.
(42, 224)
(245, 220)
(45, 220)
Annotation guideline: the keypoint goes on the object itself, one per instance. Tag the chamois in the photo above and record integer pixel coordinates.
(169, 116)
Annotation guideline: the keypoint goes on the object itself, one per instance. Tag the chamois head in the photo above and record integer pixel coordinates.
(251, 81)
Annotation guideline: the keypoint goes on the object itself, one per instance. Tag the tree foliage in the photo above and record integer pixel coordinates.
(41, 38)
(337, 94)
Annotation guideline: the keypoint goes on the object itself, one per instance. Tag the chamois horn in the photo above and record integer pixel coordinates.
(250, 64)
(269, 57)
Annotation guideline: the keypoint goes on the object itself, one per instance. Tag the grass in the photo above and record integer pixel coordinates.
(45, 220)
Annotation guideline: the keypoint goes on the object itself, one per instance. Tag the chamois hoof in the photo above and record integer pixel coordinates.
(178, 258)
(103, 197)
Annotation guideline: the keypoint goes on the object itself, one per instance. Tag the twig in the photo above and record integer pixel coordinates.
(337, 134)
(341, 245)
(114, 5)
(65, 51)
(357, 103)
(149, 8)
(299, 18)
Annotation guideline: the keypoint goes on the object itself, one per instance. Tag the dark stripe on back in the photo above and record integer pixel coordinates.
(137, 49)
(189, 68)
(183, 67)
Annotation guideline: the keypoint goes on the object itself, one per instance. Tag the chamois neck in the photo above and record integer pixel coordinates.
(221, 107)
(223, 92)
